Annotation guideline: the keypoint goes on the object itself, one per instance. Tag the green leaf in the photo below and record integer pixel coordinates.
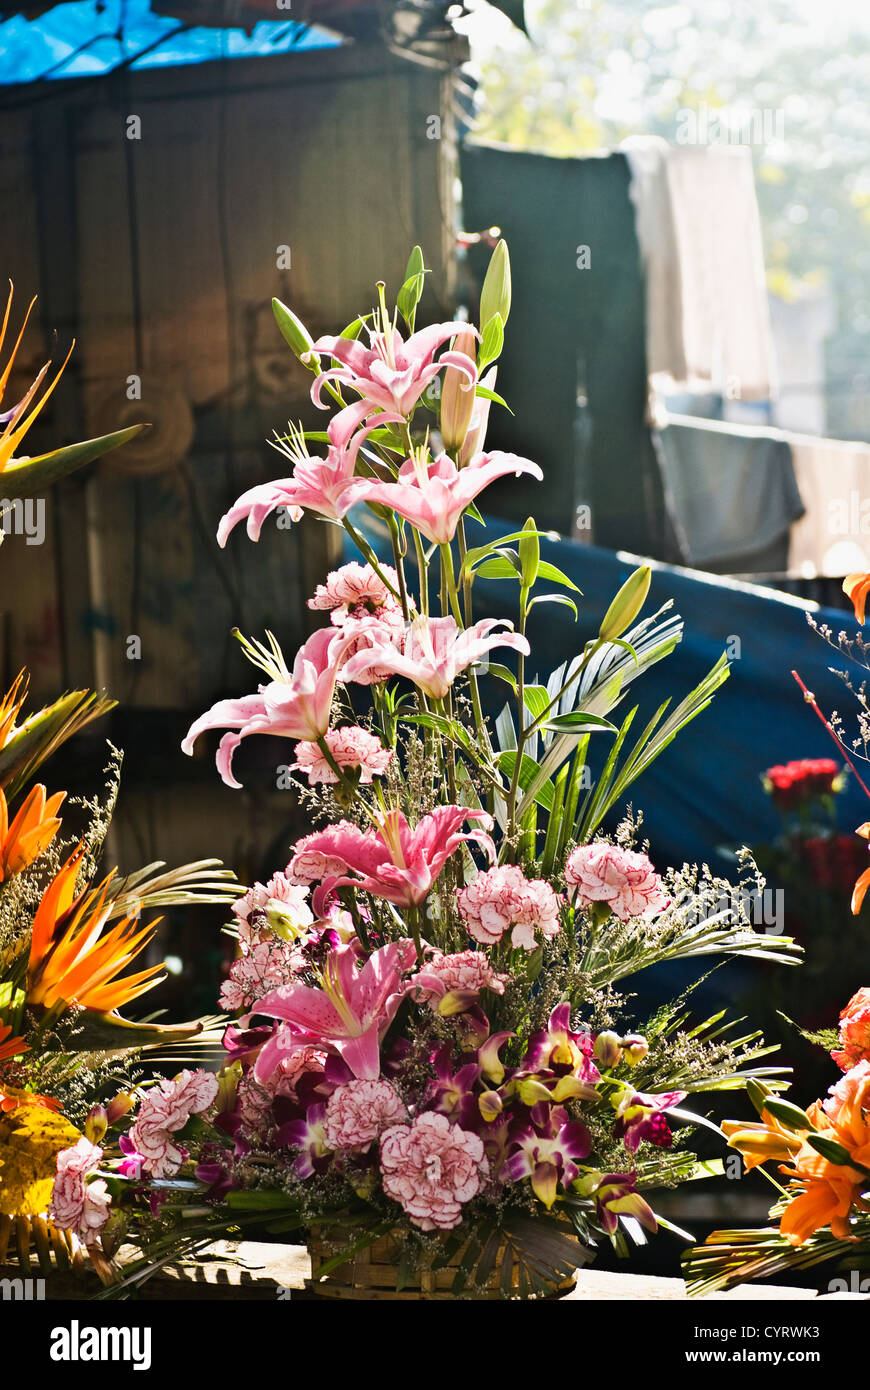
(555, 598)
(491, 342)
(489, 395)
(536, 699)
(578, 720)
(354, 329)
(504, 566)
(529, 774)
(494, 668)
(409, 295)
(548, 571)
(30, 476)
(479, 552)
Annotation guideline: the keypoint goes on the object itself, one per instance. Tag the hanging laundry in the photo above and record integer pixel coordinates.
(731, 494)
(833, 538)
(708, 321)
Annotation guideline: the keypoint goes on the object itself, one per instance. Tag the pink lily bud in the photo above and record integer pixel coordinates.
(96, 1123)
(635, 1048)
(476, 436)
(457, 397)
(490, 1106)
(608, 1050)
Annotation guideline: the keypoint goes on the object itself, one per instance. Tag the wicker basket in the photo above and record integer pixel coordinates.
(373, 1271)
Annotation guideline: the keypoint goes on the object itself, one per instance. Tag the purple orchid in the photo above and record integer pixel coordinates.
(616, 1195)
(309, 1137)
(641, 1117)
(455, 1094)
(561, 1050)
(547, 1150)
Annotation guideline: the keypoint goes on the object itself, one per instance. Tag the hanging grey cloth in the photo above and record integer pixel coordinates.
(730, 492)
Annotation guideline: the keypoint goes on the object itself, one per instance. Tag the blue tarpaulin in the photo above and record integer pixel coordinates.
(702, 797)
(88, 38)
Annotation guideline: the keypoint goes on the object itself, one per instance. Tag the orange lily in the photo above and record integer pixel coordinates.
(9, 1046)
(830, 1189)
(31, 831)
(857, 587)
(859, 892)
(72, 960)
(758, 1143)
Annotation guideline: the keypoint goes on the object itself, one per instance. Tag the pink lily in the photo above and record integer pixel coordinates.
(391, 374)
(432, 651)
(294, 704)
(432, 494)
(352, 1012)
(392, 862)
(326, 486)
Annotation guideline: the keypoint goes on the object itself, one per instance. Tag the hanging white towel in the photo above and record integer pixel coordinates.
(699, 233)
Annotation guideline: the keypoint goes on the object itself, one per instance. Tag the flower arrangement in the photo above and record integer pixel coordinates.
(433, 1054)
(66, 945)
(823, 1211)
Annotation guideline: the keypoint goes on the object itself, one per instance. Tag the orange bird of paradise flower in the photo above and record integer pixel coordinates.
(9, 1046)
(73, 960)
(30, 832)
(19, 419)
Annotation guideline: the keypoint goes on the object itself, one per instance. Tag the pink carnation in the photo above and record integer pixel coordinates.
(625, 881)
(351, 747)
(457, 979)
(356, 1114)
(503, 898)
(165, 1109)
(280, 889)
(385, 629)
(430, 1168)
(847, 1088)
(356, 591)
(296, 1061)
(76, 1204)
(265, 966)
(854, 1031)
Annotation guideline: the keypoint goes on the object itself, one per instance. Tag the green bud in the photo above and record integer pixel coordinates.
(495, 297)
(530, 553)
(759, 1093)
(787, 1114)
(608, 1051)
(831, 1150)
(627, 604)
(295, 334)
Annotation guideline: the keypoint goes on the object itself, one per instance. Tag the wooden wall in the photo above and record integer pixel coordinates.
(159, 255)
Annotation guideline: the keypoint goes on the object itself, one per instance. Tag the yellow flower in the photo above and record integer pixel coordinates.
(31, 1137)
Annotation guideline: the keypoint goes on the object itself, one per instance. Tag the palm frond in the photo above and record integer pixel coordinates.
(30, 743)
(202, 881)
